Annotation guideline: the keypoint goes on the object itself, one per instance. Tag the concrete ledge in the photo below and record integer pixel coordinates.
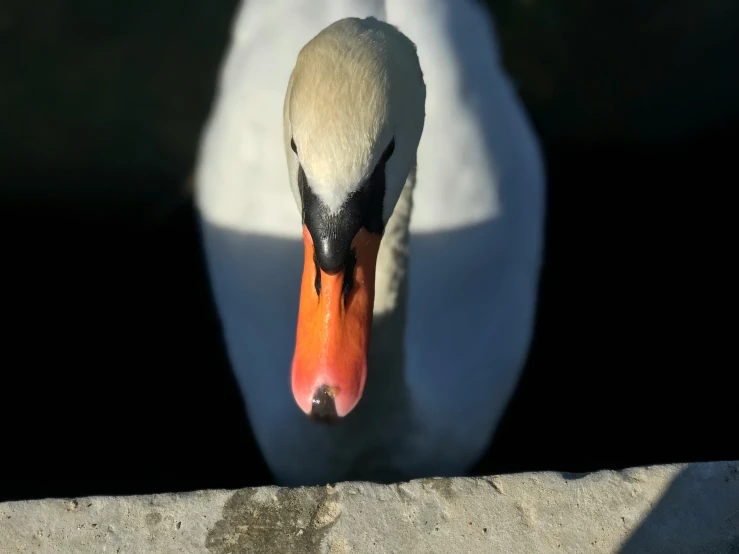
(671, 509)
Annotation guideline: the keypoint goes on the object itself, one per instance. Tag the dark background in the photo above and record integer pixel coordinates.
(113, 378)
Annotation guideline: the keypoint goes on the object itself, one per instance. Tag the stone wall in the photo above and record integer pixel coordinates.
(662, 509)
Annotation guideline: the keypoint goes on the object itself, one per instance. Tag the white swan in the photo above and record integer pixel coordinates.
(458, 265)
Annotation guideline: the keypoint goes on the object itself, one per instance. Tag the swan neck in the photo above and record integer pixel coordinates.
(392, 258)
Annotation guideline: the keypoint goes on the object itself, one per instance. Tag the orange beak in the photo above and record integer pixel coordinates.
(334, 320)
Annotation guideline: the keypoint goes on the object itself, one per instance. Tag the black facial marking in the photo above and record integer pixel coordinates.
(349, 274)
(317, 281)
(292, 145)
(333, 234)
(388, 152)
(323, 409)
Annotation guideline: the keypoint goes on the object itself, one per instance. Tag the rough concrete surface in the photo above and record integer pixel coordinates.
(677, 508)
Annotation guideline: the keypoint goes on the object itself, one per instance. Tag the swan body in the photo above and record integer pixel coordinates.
(457, 269)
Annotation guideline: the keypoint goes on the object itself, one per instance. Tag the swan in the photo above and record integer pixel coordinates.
(397, 302)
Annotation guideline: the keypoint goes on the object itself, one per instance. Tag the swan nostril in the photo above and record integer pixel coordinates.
(323, 408)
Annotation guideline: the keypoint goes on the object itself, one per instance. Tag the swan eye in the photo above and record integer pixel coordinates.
(292, 145)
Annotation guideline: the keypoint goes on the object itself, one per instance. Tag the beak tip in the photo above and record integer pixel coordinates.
(323, 406)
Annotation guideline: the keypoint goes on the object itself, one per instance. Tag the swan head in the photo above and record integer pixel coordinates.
(353, 118)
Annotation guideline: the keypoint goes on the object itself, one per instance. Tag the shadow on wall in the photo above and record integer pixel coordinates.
(699, 512)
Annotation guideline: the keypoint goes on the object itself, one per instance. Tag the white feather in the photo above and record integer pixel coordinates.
(475, 247)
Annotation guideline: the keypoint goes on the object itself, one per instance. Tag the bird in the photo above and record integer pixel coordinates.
(370, 195)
